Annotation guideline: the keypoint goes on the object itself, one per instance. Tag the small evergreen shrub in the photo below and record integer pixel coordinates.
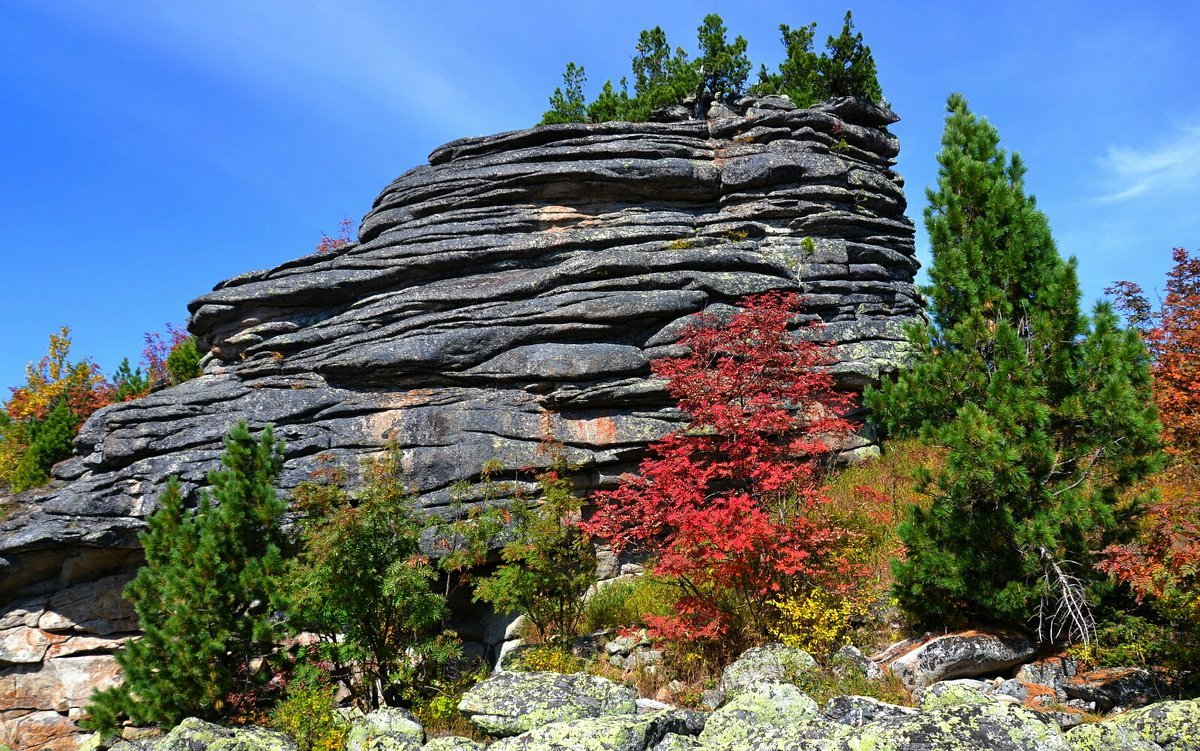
(204, 597)
(361, 582)
(720, 71)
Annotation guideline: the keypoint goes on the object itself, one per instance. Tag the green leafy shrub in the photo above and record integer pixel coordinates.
(183, 362)
(548, 658)
(838, 677)
(204, 597)
(549, 564)
(627, 603)
(308, 713)
(361, 582)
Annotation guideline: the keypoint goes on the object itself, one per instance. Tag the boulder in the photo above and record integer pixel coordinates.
(813, 734)
(197, 735)
(613, 733)
(961, 655)
(986, 726)
(773, 663)
(452, 743)
(1173, 725)
(851, 658)
(959, 691)
(857, 711)
(385, 729)
(1105, 736)
(676, 742)
(756, 706)
(508, 704)
(1117, 688)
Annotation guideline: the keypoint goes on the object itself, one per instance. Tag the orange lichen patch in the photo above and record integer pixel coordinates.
(599, 431)
(1101, 676)
(1038, 695)
(559, 218)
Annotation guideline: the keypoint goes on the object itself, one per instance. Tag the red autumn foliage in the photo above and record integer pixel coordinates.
(328, 243)
(1173, 338)
(1164, 564)
(730, 505)
(158, 348)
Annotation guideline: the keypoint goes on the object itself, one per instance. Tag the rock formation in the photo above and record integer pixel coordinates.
(511, 291)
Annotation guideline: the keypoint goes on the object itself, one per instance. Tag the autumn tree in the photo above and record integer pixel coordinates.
(43, 416)
(1046, 417)
(204, 597)
(343, 238)
(730, 505)
(1162, 565)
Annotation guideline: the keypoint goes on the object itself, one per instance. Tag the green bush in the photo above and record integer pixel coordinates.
(308, 713)
(627, 603)
(548, 658)
(549, 564)
(183, 362)
(361, 582)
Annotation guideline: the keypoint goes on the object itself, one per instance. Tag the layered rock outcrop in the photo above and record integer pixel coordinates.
(511, 291)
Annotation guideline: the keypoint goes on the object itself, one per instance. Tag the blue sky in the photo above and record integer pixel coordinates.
(152, 149)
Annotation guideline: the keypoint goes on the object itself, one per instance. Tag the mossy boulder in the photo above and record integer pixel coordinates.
(197, 735)
(857, 711)
(1174, 725)
(772, 663)
(956, 692)
(814, 734)
(762, 705)
(1105, 736)
(386, 729)
(511, 703)
(613, 733)
(990, 726)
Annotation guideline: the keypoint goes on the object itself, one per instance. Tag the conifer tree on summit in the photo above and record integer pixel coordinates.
(1046, 417)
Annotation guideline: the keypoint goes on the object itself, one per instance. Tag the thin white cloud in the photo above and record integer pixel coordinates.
(1170, 167)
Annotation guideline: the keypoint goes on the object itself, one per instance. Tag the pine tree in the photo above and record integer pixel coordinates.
(204, 596)
(847, 67)
(567, 104)
(799, 73)
(1046, 418)
(52, 440)
(723, 66)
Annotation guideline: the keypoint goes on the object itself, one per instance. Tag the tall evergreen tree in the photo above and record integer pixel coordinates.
(204, 597)
(723, 66)
(847, 68)
(1046, 417)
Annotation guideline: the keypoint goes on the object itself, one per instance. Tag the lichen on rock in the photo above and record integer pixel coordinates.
(510, 703)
